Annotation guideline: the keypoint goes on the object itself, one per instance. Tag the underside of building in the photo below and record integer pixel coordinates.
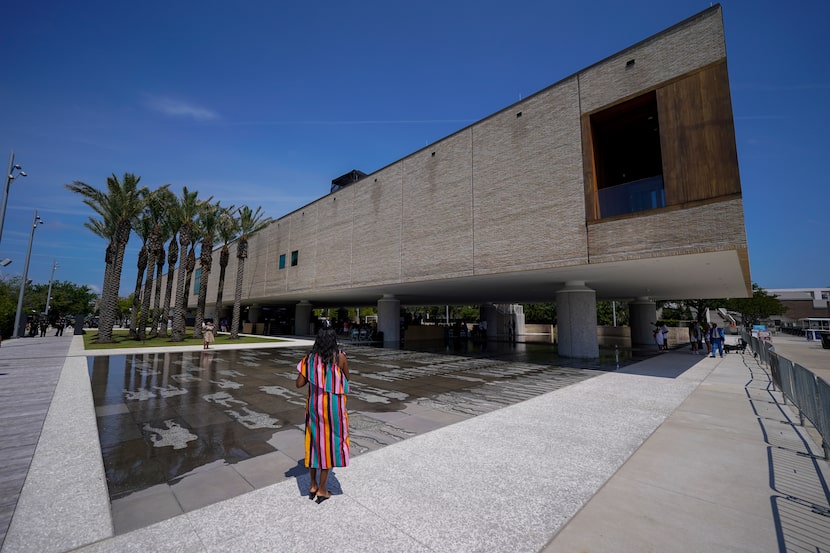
(618, 182)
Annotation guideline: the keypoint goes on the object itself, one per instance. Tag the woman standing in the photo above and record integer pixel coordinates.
(207, 334)
(326, 371)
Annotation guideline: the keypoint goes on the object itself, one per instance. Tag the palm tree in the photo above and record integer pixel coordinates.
(250, 222)
(208, 226)
(142, 227)
(157, 206)
(186, 213)
(118, 206)
(227, 229)
(172, 259)
(189, 266)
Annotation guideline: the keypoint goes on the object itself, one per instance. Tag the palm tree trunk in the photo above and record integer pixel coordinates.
(172, 258)
(154, 331)
(109, 259)
(206, 263)
(190, 265)
(142, 266)
(237, 299)
(224, 257)
(106, 321)
(179, 307)
(145, 298)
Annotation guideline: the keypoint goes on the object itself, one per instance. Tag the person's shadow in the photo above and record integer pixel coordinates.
(303, 479)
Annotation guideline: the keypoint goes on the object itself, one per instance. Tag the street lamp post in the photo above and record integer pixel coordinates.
(49, 295)
(10, 176)
(17, 330)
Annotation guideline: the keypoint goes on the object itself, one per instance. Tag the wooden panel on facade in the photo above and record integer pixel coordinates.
(697, 137)
(589, 172)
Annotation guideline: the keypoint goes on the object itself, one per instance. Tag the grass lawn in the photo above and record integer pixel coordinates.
(122, 340)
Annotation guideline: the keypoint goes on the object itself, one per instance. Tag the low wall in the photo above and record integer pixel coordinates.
(538, 333)
(614, 336)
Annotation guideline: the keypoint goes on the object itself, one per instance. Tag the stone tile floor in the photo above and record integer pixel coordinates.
(180, 431)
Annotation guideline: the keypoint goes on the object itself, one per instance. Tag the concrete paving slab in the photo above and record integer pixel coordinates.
(706, 480)
(64, 500)
(143, 508)
(629, 516)
(643, 459)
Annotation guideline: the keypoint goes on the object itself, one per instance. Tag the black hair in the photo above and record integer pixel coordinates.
(325, 345)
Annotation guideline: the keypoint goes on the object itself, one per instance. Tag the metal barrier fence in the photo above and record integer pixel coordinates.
(807, 392)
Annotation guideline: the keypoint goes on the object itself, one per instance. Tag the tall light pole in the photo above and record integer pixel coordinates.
(49, 295)
(10, 176)
(17, 330)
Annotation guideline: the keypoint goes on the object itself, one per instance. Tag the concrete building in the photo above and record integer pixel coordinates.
(804, 305)
(618, 182)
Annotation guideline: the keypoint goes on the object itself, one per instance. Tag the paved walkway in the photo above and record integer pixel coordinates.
(675, 453)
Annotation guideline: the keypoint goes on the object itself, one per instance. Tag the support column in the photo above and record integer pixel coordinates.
(302, 318)
(519, 320)
(254, 313)
(642, 314)
(488, 313)
(576, 313)
(389, 320)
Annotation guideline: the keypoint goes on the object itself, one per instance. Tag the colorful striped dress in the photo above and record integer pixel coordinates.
(326, 420)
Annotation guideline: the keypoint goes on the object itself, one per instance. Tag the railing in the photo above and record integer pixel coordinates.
(632, 196)
(808, 393)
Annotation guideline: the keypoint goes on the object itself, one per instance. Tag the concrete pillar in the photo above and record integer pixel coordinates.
(642, 314)
(488, 312)
(519, 319)
(576, 313)
(254, 313)
(302, 318)
(389, 320)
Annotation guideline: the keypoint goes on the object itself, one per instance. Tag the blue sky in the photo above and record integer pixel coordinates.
(263, 103)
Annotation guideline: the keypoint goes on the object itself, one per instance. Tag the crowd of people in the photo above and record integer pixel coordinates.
(704, 338)
(40, 327)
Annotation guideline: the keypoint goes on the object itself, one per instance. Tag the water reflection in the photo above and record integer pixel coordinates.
(163, 417)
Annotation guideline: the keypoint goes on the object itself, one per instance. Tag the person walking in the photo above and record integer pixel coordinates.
(326, 371)
(694, 337)
(716, 337)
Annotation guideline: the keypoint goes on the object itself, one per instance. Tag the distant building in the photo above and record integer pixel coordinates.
(802, 304)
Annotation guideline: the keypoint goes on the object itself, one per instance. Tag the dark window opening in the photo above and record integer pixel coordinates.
(295, 258)
(627, 157)
(282, 261)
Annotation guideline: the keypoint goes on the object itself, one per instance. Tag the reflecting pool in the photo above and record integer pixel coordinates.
(179, 431)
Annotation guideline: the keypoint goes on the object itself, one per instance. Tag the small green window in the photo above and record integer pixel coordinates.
(282, 261)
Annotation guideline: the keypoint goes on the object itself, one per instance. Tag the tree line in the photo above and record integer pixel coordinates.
(66, 300)
(182, 222)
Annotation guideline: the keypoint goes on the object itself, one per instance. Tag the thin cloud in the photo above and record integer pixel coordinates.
(353, 122)
(794, 87)
(178, 108)
(759, 117)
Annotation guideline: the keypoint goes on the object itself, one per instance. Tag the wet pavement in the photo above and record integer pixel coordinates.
(180, 431)
(674, 453)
